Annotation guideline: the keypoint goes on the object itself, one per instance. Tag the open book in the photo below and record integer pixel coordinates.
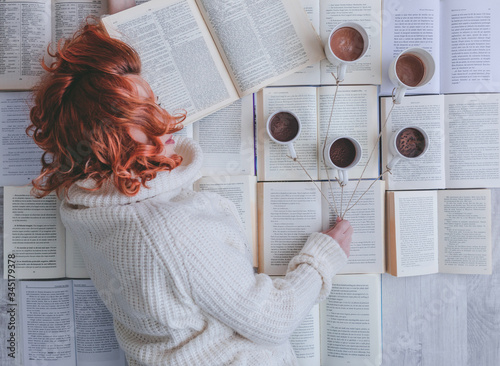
(200, 55)
(446, 231)
(464, 132)
(29, 27)
(65, 323)
(34, 233)
(346, 328)
(290, 211)
(242, 191)
(324, 16)
(461, 35)
(355, 114)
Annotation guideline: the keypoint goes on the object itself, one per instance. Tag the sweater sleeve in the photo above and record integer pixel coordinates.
(266, 311)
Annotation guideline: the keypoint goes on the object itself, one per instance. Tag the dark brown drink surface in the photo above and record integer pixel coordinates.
(284, 126)
(342, 153)
(410, 142)
(410, 69)
(347, 43)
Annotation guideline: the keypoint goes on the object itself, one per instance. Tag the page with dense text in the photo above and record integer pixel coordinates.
(261, 41)
(363, 206)
(367, 13)
(47, 323)
(427, 171)
(179, 59)
(75, 266)
(465, 231)
(95, 338)
(273, 159)
(305, 340)
(472, 125)
(411, 24)
(24, 35)
(242, 191)
(227, 139)
(351, 324)
(34, 233)
(470, 46)
(354, 114)
(416, 232)
(19, 155)
(288, 213)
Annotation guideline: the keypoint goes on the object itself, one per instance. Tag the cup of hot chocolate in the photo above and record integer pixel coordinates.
(346, 44)
(412, 68)
(408, 143)
(342, 153)
(283, 127)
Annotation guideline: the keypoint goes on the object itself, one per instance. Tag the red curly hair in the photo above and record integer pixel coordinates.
(83, 110)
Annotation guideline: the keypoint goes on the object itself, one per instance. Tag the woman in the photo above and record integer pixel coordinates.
(172, 265)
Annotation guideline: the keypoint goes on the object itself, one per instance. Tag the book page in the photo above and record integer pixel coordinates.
(411, 24)
(416, 226)
(367, 13)
(472, 128)
(47, 323)
(428, 171)
(355, 114)
(305, 340)
(24, 35)
(273, 161)
(34, 233)
(179, 59)
(351, 330)
(465, 231)
(470, 46)
(19, 155)
(96, 343)
(70, 15)
(311, 74)
(227, 140)
(261, 41)
(75, 267)
(242, 191)
(288, 213)
(366, 215)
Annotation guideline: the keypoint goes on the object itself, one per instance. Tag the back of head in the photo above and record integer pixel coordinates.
(83, 111)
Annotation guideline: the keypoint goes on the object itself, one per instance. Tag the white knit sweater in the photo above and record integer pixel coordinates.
(174, 268)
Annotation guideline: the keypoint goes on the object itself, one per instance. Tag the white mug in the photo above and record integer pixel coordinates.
(340, 63)
(429, 67)
(399, 155)
(342, 170)
(290, 139)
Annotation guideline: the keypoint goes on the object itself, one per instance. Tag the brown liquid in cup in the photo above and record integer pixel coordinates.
(410, 69)
(284, 126)
(410, 142)
(347, 43)
(342, 153)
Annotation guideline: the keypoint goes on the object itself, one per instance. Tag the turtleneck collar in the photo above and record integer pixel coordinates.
(165, 183)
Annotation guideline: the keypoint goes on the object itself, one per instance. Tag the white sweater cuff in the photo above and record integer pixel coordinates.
(325, 255)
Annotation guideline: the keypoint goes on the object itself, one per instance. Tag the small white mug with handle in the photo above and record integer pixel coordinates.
(347, 43)
(412, 68)
(407, 143)
(342, 153)
(283, 127)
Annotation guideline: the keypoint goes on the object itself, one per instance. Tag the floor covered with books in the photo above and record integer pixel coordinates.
(416, 113)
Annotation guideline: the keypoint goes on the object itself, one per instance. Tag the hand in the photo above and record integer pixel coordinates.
(114, 6)
(341, 232)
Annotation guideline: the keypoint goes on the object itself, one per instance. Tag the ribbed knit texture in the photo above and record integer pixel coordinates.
(174, 268)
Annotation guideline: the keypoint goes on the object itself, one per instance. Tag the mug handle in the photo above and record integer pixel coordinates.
(399, 94)
(393, 162)
(341, 69)
(293, 154)
(343, 177)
